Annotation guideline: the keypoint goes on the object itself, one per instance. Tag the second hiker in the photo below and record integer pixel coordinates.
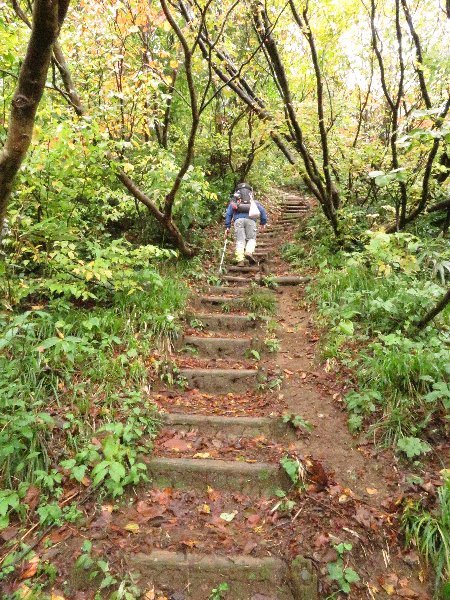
(244, 211)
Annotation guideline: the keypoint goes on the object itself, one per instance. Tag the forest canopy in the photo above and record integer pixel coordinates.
(349, 98)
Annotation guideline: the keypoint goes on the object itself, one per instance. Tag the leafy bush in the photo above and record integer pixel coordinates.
(370, 300)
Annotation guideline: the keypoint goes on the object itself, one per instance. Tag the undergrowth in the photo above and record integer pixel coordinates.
(260, 302)
(74, 384)
(429, 530)
(370, 291)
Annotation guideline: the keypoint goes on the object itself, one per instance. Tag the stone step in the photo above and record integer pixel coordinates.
(294, 198)
(280, 280)
(290, 280)
(222, 322)
(237, 279)
(259, 479)
(194, 575)
(221, 381)
(220, 301)
(270, 235)
(246, 269)
(227, 289)
(219, 347)
(271, 427)
(291, 217)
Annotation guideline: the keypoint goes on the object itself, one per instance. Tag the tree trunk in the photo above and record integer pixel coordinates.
(48, 16)
(434, 311)
(72, 96)
(165, 221)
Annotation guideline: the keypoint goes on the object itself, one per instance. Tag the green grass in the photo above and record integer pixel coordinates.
(429, 530)
(260, 302)
(69, 374)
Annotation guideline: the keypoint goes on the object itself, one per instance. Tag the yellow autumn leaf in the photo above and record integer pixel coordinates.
(132, 527)
(388, 588)
(202, 455)
(24, 592)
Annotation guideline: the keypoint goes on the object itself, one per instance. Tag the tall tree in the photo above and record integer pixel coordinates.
(48, 17)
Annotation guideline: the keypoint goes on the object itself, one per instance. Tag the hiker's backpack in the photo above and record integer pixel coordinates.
(243, 196)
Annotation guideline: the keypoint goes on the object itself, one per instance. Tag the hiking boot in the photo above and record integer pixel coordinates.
(251, 259)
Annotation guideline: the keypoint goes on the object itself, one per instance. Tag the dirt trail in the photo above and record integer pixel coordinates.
(220, 510)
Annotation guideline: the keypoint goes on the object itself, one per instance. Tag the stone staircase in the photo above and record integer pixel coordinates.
(223, 338)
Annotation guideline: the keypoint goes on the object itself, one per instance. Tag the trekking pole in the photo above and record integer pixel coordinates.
(223, 252)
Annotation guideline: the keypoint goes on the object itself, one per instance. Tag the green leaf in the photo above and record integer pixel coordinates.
(346, 327)
(110, 447)
(116, 471)
(335, 570)
(413, 446)
(351, 576)
(290, 465)
(79, 472)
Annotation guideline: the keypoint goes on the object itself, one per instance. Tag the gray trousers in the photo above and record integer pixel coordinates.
(245, 230)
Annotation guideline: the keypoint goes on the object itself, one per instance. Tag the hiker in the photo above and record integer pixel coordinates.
(244, 211)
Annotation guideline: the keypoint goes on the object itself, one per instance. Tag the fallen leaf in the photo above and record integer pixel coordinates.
(253, 519)
(212, 493)
(363, 517)
(204, 509)
(249, 547)
(30, 568)
(8, 533)
(321, 540)
(202, 455)
(388, 588)
(104, 519)
(389, 583)
(189, 543)
(32, 497)
(228, 517)
(177, 445)
(407, 593)
(150, 594)
(56, 597)
(24, 592)
(371, 491)
(132, 527)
